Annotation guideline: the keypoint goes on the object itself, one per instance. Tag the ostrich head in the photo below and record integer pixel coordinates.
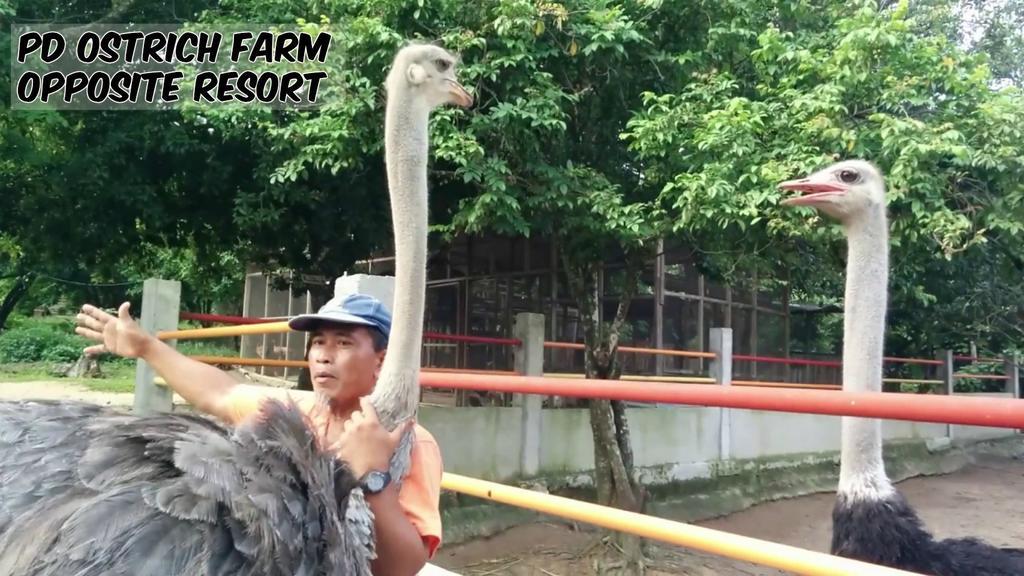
(844, 190)
(428, 72)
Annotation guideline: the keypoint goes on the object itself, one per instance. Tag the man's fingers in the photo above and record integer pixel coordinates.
(122, 311)
(89, 322)
(89, 333)
(94, 350)
(367, 408)
(400, 430)
(90, 310)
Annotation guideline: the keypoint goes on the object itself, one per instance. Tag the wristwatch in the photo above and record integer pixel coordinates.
(375, 481)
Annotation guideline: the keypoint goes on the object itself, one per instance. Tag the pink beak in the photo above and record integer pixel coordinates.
(462, 98)
(812, 191)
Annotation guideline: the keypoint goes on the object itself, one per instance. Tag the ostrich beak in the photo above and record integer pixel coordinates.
(459, 94)
(812, 190)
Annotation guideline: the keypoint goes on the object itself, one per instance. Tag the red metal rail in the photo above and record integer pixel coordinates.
(225, 319)
(982, 376)
(792, 361)
(244, 320)
(993, 412)
(977, 359)
(633, 349)
(925, 361)
(829, 363)
(472, 339)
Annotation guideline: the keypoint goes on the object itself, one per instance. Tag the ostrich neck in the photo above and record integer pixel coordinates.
(405, 147)
(862, 470)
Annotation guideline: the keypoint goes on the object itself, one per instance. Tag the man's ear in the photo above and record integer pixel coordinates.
(416, 74)
(380, 362)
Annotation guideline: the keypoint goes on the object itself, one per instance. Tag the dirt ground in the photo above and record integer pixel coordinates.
(975, 501)
(57, 390)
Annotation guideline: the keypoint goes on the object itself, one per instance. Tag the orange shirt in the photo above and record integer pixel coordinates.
(420, 493)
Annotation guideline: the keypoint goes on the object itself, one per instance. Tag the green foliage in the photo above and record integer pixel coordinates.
(41, 340)
(602, 125)
(833, 82)
(89, 194)
(993, 28)
(208, 279)
(967, 384)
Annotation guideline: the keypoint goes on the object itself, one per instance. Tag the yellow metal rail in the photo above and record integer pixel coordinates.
(763, 552)
(224, 331)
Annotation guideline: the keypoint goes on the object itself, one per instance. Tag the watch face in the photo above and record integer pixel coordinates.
(376, 481)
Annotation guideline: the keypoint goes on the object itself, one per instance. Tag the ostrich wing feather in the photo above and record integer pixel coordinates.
(94, 491)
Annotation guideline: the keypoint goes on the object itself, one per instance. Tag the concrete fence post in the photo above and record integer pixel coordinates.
(529, 361)
(161, 302)
(1013, 380)
(1012, 371)
(721, 371)
(949, 381)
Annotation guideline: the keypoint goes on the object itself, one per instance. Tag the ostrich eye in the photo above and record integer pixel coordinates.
(849, 176)
(442, 64)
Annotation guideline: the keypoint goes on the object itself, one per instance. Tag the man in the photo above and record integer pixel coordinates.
(348, 343)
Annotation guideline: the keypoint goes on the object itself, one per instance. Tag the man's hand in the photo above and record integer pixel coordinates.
(365, 444)
(118, 335)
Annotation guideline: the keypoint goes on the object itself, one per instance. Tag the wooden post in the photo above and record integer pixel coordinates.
(529, 361)
(161, 301)
(721, 371)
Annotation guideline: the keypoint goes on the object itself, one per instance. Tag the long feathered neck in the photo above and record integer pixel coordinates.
(862, 470)
(396, 394)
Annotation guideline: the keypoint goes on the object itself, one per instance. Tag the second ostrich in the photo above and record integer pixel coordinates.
(86, 490)
(871, 520)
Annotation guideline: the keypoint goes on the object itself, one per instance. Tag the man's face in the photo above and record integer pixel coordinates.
(342, 361)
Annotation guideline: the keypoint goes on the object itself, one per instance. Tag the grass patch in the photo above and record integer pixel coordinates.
(25, 372)
(31, 348)
(206, 348)
(117, 376)
(116, 385)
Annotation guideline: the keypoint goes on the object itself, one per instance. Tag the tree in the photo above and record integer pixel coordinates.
(94, 196)
(994, 28)
(540, 154)
(607, 126)
(85, 190)
(831, 82)
(604, 126)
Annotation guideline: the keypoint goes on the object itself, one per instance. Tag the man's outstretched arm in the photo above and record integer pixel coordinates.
(205, 387)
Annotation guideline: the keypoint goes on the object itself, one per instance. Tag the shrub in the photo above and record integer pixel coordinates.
(967, 384)
(41, 341)
(62, 353)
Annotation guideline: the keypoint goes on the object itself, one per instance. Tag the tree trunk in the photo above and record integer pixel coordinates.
(613, 455)
(86, 367)
(21, 285)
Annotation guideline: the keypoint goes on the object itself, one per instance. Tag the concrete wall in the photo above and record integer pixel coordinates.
(682, 442)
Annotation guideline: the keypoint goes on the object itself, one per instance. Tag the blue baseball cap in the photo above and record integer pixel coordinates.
(357, 309)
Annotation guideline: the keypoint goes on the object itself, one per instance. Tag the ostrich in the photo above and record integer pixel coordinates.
(88, 490)
(871, 520)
